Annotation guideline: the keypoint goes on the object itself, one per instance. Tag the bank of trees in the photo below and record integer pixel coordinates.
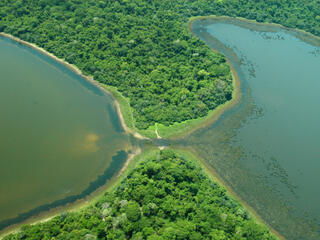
(144, 48)
(165, 197)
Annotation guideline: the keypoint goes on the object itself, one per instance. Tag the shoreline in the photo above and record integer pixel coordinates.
(256, 26)
(131, 156)
(186, 128)
(126, 114)
(191, 154)
(78, 72)
(235, 99)
(174, 131)
(183, 129)
(78, 204)
(133, 160)
(313, 39)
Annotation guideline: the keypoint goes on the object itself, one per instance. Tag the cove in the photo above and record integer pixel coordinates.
(60, 135)
(266, 148)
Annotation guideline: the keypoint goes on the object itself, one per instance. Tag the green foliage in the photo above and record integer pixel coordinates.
(164, 197)
(144, 49)
(139, 47)
(133, 211)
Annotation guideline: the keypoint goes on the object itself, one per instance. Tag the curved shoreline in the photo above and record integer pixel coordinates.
(183, 129)
(80, 203)
(216, 178)
(301, 34)
(174, 131)
(186, 128)
(263, 27)
(76, 70)
(81, 200)
(236, 97)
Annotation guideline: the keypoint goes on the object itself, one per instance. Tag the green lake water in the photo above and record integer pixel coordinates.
(267, 147)
(60, 136)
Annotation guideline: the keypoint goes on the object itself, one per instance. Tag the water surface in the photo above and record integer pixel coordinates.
(60, 136)
(267, 147)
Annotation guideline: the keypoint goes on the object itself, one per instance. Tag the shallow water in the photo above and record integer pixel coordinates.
(267, 147)
(60, 136)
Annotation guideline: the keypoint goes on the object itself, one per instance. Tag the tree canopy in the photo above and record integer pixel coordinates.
(165, 197)
(143, 47)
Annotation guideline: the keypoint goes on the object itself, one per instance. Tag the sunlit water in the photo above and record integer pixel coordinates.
(60, 136)
(267, 148)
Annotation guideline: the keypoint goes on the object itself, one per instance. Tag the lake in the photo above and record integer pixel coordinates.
(60, 136)
(267, 147)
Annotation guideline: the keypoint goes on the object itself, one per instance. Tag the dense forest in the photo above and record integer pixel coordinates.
(164, 197)
(144, 48)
